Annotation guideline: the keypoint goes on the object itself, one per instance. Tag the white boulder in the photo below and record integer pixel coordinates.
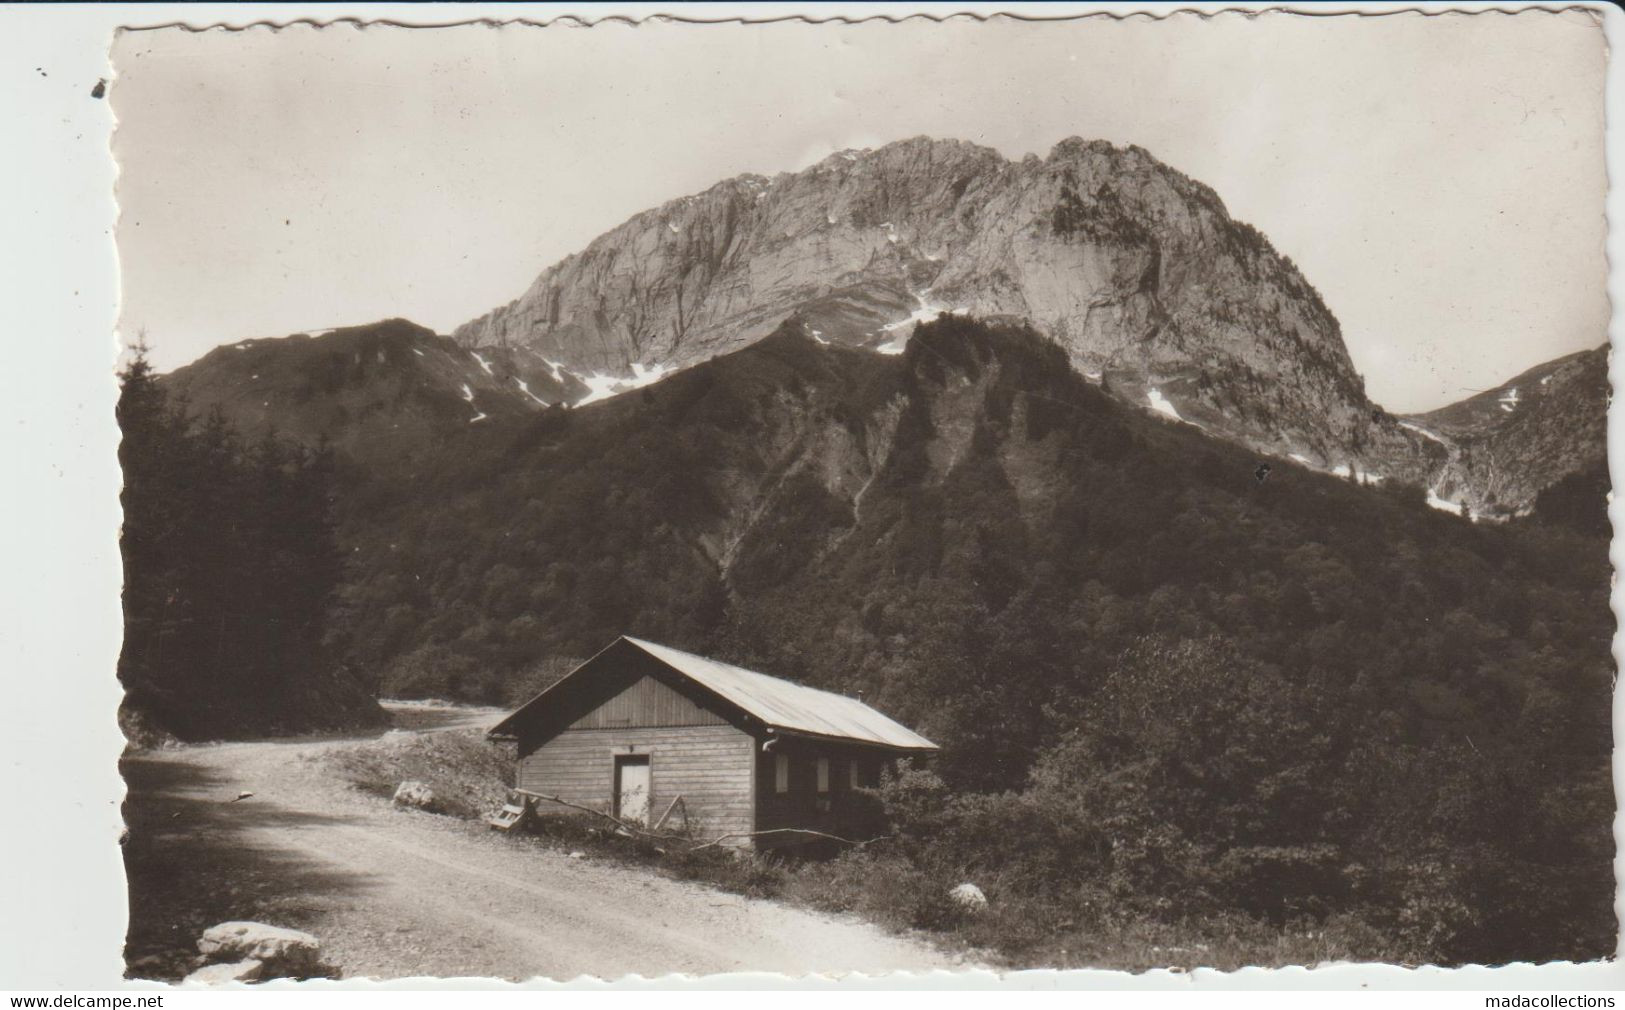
(412, 793)
(283, 951)
(231, 971)
(969, 897)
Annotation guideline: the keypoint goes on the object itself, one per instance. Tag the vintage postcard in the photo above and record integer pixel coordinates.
(613, 497)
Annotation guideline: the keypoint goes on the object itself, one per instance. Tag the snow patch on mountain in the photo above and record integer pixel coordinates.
(1509, 400)
(558, 374)
(468, 394)
(600, 387)
(605, 386)
(1360, 476)
(904, 328)
(525, 388)
(1444, 504)
(1160, 404)
(483, 364)
(1425, 433)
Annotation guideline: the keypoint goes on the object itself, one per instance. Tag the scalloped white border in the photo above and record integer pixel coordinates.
(63, 918)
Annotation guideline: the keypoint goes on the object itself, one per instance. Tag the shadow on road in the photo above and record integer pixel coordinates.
(192, 862)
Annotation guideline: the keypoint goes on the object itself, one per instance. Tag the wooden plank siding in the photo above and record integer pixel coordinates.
(709, 766)
(648, 702)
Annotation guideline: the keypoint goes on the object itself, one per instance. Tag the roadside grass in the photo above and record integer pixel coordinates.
(1018, 929)
(470, 776)
(1015, 931)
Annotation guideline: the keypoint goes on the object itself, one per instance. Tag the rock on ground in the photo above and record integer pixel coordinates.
(283, 951)
(969, 897)
(248, 970)
(412, 793)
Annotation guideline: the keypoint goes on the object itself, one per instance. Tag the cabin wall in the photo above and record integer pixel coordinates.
(841, 810)
(710, 766)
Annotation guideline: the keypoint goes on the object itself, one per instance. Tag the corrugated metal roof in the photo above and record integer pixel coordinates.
(787, 706)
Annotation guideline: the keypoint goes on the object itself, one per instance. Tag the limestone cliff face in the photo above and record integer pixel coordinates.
(1135, 269)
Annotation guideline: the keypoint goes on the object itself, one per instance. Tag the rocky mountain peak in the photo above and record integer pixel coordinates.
(1135, 269)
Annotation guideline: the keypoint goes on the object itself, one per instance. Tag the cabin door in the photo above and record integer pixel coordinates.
(632, 788)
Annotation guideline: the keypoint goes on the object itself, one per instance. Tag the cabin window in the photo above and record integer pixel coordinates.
(823, 775)
(854, 777)
(781, 773)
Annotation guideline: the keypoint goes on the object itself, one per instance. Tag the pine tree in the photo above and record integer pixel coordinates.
(231, 561)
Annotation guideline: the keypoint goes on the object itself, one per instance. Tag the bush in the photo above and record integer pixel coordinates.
(750, 874)
(886, 889)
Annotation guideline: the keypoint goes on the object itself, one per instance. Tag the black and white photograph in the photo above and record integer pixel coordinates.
(608, 497)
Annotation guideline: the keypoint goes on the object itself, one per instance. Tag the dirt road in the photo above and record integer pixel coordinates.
(394, 893)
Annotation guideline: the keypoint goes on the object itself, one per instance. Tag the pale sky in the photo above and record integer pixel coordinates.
(1439, 179)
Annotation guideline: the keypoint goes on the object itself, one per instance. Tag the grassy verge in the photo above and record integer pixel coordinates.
(470, 777)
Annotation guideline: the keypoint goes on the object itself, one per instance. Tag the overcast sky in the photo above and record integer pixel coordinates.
(1439, 179)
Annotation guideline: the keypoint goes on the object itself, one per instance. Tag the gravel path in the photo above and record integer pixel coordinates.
(400, 893)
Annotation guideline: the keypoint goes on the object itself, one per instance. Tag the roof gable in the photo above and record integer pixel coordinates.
(648, 701)
(777, 704)
(784, 705)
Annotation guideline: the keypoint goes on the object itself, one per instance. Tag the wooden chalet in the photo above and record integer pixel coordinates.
(662, 738)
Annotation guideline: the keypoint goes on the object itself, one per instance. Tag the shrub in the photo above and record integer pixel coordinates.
(750, 874)
(887, 889)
